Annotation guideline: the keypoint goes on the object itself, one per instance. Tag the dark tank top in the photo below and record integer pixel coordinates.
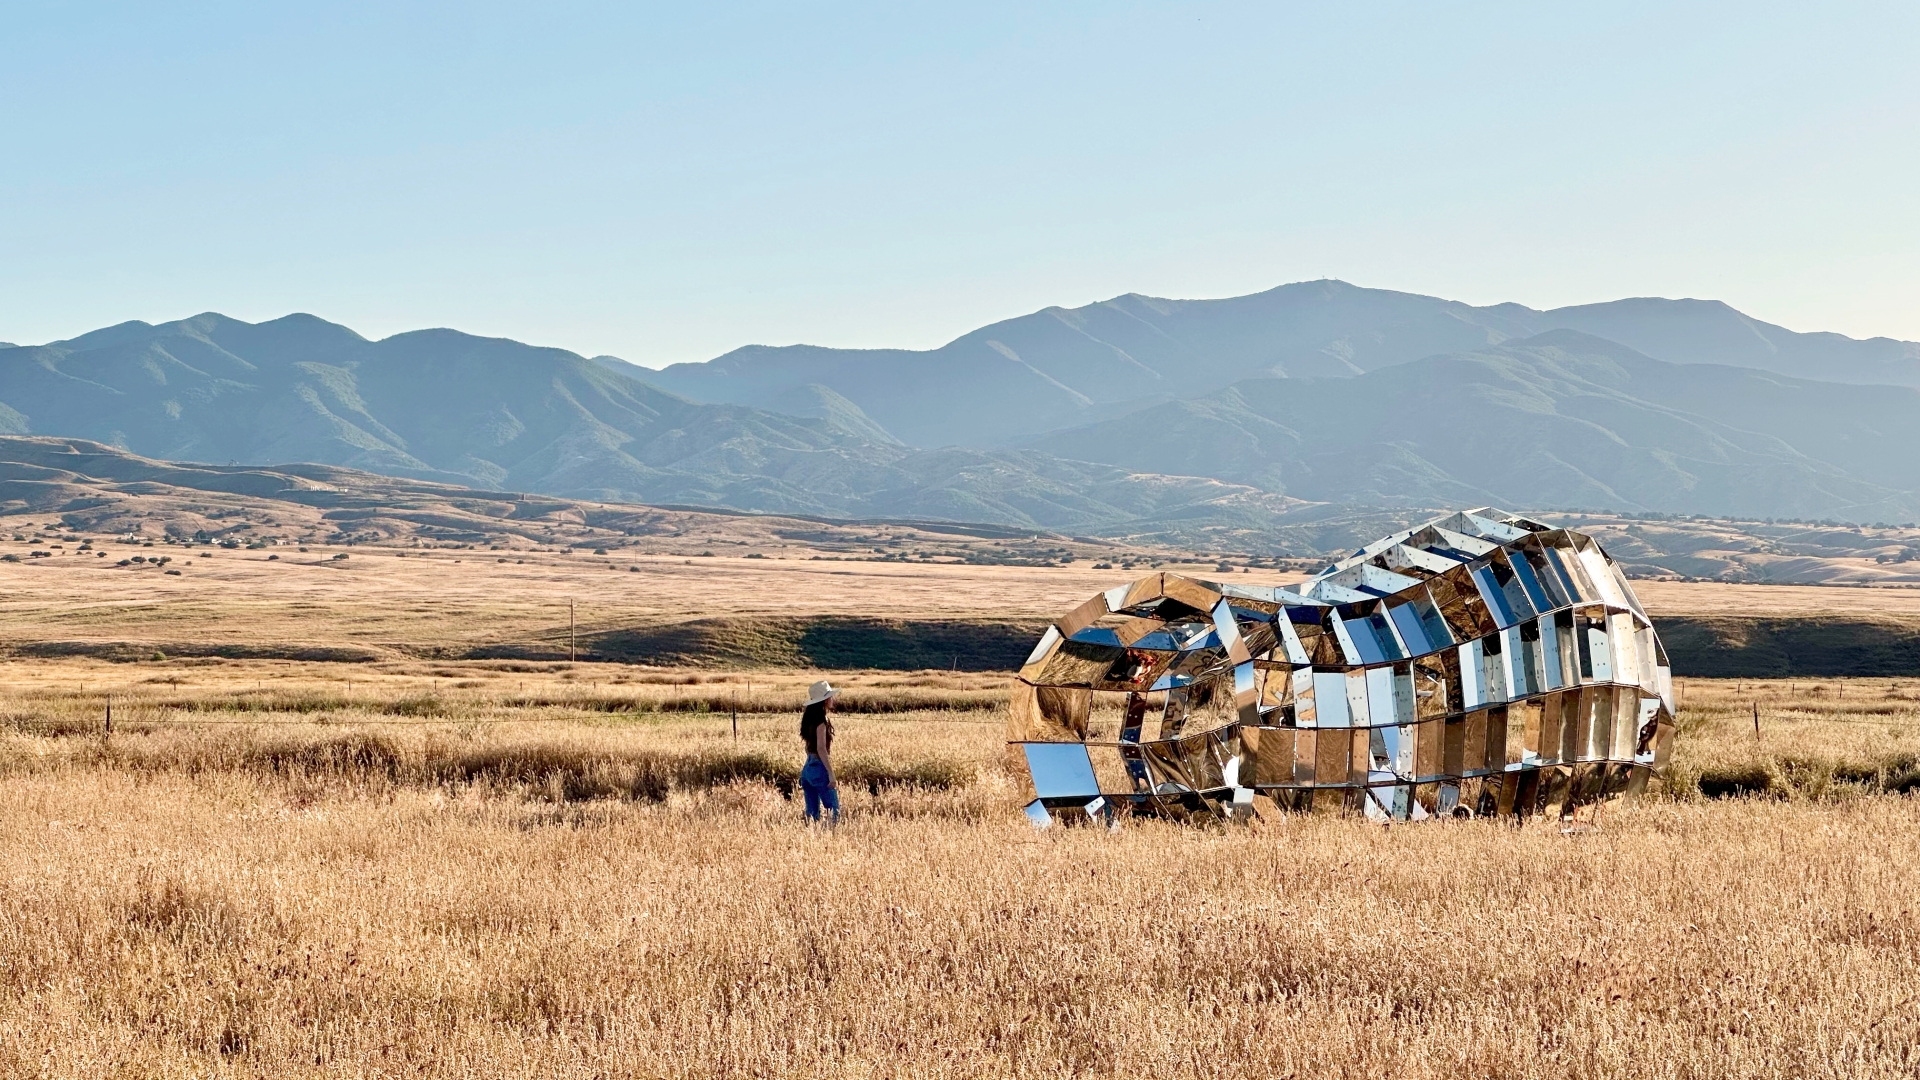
(811, 721)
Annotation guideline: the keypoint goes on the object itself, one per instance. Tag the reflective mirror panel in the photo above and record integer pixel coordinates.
(1492, 595)
(1387, 637)
(1540, 577)
(1521, 604)
(1566, 562)
(1330, 699)
(1061, 770)
(1365, 641)
(1406, 619)
(1552, 675)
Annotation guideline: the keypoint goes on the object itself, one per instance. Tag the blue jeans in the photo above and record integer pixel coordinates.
(819, 790)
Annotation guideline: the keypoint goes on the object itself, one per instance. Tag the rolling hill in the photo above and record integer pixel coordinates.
(1562, 419)
(491, 413)
(1059, 367)
(433, 404)
(82, 486)
(49, 487)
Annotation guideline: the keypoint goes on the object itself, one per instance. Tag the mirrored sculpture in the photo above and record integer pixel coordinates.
(1482, 664)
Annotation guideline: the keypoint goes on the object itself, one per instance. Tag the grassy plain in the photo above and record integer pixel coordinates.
(394, 603)
(475, 868)
(386, 602)
(412, 866)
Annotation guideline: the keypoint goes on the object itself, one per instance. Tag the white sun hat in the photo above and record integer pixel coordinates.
(820, 692)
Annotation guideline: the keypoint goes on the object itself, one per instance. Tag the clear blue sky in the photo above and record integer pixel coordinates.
(668, 181)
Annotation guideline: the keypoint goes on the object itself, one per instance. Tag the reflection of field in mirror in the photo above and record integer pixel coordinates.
(452, 868)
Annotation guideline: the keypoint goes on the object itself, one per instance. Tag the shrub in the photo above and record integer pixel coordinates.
(357, 755)
(1738, 780)
(565, 774)
(422, 705)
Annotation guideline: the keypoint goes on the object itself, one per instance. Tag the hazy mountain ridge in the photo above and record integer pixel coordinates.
(1061, 367)
(432, 403)
(1562, 419)
(445, 406)
(1086, 419)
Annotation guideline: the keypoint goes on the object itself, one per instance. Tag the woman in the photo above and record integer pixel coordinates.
(816, 731)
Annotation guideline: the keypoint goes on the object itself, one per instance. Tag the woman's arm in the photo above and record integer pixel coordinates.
(823, 737)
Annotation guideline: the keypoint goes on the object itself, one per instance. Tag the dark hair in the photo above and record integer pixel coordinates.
(810, 721)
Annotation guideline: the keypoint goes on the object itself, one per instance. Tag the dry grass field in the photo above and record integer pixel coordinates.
(414, 866)
(1714, 598)
(489, 869)
(392, 602)
(387, 602)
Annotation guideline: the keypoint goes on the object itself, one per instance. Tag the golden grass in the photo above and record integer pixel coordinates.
(1816, 738)
(330, 891)
(388, 603)
(1774, 601)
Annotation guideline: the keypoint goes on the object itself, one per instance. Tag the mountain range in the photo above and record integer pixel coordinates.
(1558, 420)
(451, 407)
(1183, 421)
(1061, 367)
